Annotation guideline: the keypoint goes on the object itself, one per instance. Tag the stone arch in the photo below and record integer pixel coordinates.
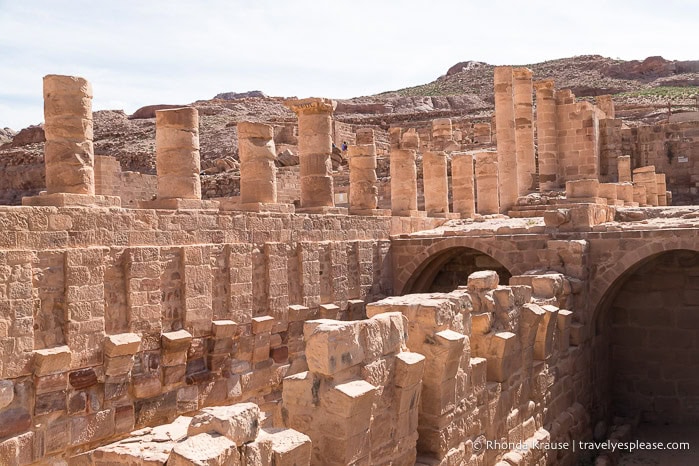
(602, 287)
(406, 274)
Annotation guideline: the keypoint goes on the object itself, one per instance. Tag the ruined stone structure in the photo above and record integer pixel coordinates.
(185, 331)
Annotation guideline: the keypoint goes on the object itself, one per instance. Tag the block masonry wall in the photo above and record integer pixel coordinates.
(132, 187)
(117, 319)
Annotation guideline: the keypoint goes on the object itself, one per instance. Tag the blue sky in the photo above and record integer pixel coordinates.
(145, 52)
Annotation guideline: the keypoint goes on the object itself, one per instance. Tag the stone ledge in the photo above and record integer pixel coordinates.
(232, 204)
(71, 200)
(179, 204)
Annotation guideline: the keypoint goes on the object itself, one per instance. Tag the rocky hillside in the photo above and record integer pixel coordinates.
(467, 87)
(641, 89)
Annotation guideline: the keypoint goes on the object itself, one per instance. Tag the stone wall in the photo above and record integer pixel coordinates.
(130, 186)
(498, 370)
(654, 341)
(118, 319)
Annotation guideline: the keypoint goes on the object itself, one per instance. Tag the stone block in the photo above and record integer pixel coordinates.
(483, 281)
(239, 423)
(329, 311)
(121, 344)
(223, 328)
(176, 341)
(14, 421)
(543, 345)
(118, 365)
(504, 356)
(206, 449)
(262, 324)
(582, 189)
(350, 398)
(52, 360)
(409, 369)
(7, 392)
(332, 346)
(289, 447)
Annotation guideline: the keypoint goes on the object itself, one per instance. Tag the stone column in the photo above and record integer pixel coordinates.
(547, 136)
(524, 129)
(363, 193)
(646, 177)
(177, 161)
(639, 194)
(662, 189)
(365, 136)
(435, 183)
(315, 147)
(462, 184)
(482, 133)
(68, 151)
(404, 176)
(258, 173)
(487, 183)
(177, 153)
(506, 139)
(606, 104)
(394, 136)
(442, 134)
(625, 193)
(624, 168)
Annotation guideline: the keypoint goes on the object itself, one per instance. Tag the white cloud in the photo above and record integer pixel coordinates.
(154, 51)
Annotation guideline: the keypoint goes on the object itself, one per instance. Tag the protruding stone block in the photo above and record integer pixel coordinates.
(503, 356)
(207, 449)
(176, 341)
(51, 360)
(289, 447)
(410, 368)
(239, 423)
(349, 399)
(332, 346)
(483, 281)
(581, 189)
(122, 344)
(223, 328)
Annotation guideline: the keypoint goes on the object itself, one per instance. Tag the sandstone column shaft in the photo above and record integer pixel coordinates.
(646, 177)
(487, 183)
(662, 188)
(506, 138)
(435, 182)
(462, 184)
(315, 147)
(177, 153)
(624, 168)
(68, 151)
(363, 192)
(547, 136)
(524, 129)
(258, 173)
(403, 181)
(365, 136)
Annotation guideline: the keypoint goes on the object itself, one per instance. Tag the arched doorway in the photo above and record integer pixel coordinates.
(449, 268)
(646, 346)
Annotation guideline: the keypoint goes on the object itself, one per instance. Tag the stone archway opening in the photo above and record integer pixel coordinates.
(646, 346)
(450, 268)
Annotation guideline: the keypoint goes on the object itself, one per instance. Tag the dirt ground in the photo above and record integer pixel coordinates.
(665, 434)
